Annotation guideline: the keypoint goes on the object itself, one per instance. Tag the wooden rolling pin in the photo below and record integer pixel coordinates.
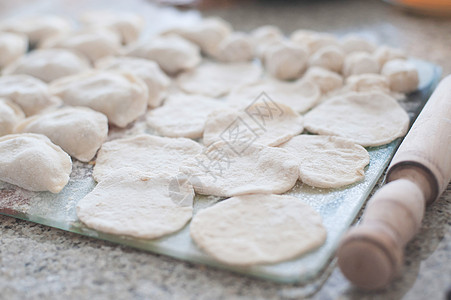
(371, 254)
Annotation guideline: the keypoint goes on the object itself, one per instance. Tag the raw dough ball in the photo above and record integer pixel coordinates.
(402, 75)
(183, 115)
(48, 64)
(285, 60)
(121, 96)
(224, 170)
(31, 94)
(326, 80)
(216, 79)
(367, 83)
(300, 95)
(330, 58)
(328, 161)
(92, 43)
(147, 153)
(368, 119)
(37, 28)
(258, 229)
(385, 53)
(10, 115)
(127, 25)
(79, 131)
(268, 123)
(208, 34)
(133, 203)
(355, 43)
(359, 63)
(236, 47)
(265, 36)
(313, 40)
(33, 162)
(172, 53)
(148, 71)
(12, 46)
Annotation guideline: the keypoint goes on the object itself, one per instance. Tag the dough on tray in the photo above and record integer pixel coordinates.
(258, 229)
(172, 53)
(384, 54)
(327, 81)
(236, 47)
(121, 96)
(147, 153)
(218, 79)
(33, 162)
(12, 46)
(138, 204)
(79, 131)
(226, 169)
(368, 119)
(330, 58)
(328, 161)
(285, 60)
(10, 115)
(265, 122)
(48, 64)
(31, 94)
(148, 71)
(183, 115)
(127, 25)
(355, 43)
(359, 63)
(402, 75)
(265, 36)
(300, 95)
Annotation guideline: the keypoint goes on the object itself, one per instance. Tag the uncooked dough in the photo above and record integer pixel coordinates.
(156, 80)
(127, 25)
(172, 53)
(121, 96)
(218, 79)
(12, 46)
(10, 115)
(367, 83)
(148, 153)
(33, 162)
(329, 57)
(138, 204)
(79, 131)
(402, 75)
(359, 63)
(326, 80)
(385, 53)
(258, 229)
(368, 119)
(183, 115)
(313, 40)
(285, 60)
(37, 28)
(236, 47)
(31, 94)
(328, 161)
(355, 43)
(300, 95)
(48, 64)
(264, 36)
(225, 169)
(268, 123)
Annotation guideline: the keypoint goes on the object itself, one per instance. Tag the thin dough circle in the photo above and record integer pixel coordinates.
(257, 229)
(368, 119)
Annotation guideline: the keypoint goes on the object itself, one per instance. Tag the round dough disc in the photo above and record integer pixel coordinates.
(299, 95)
(258, 229)
(216, 79)
(183, 115)
(223, 169)
(368, 119)
(148, 153)
(328, 161)
(134, 203)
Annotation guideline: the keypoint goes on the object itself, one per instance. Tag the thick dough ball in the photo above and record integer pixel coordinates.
(265, 36)
(148, 71)
(313, 40)
(326, 80)
(330, 58)
(12, 47)
(48, 64)
(359, 63)
(33, 162)
(31, 94)
(354, 43)
(385, 53)
(121, 96)
(79, 131)
(367, 83)
(402, 75)
(172, 53)
(10, 115)
(285, 60)
(237, 47)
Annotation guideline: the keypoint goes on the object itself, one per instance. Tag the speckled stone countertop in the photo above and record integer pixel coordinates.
(41, 262)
